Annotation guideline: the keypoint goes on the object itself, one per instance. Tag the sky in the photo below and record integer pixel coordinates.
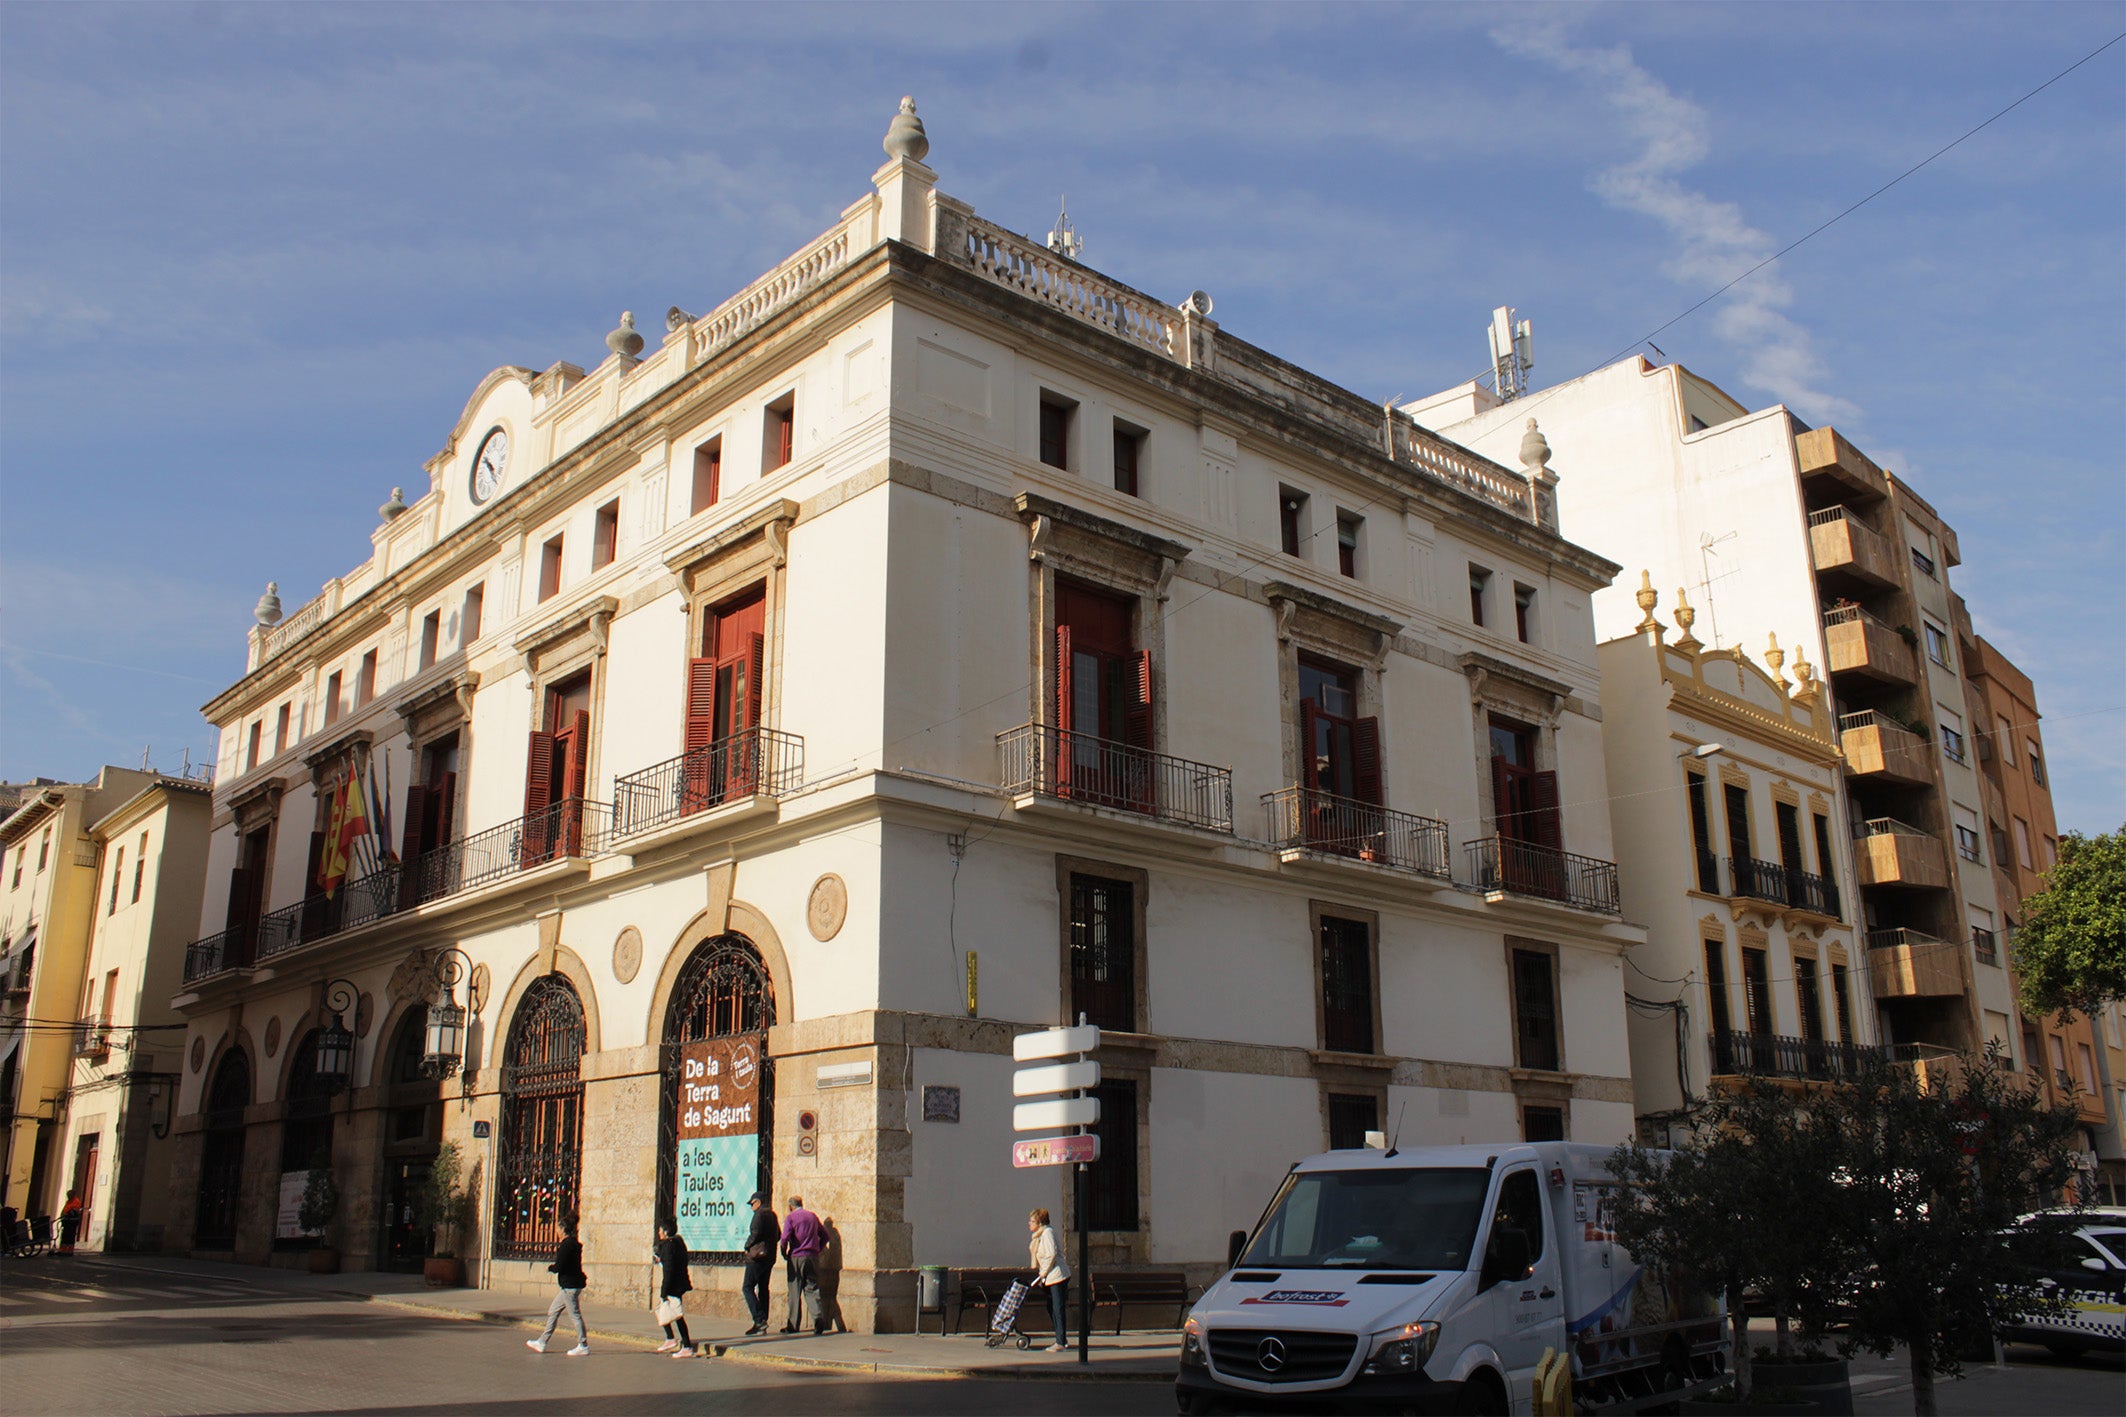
(254, 258)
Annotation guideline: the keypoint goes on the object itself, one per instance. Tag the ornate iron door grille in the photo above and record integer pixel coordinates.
(221, 1162)
(723, 992)
(538, 1171)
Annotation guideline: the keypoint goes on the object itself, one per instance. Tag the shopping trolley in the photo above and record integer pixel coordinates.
(1004, 1318)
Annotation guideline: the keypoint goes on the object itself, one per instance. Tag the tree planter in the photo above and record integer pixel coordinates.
(324, 1260)
(443, 1272)
(1824, 1381)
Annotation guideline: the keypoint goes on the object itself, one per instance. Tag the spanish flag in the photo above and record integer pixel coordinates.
(349, 822)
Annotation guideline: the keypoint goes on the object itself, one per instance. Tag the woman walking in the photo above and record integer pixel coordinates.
(1050, 1273)
(672, 1291)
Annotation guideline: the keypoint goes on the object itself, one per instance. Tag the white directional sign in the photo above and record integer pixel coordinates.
(1055, 1043)
(1057, 1077)
(1055, 1113)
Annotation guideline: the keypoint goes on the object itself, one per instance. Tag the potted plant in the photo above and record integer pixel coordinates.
(321, 1202)
(443, 1205)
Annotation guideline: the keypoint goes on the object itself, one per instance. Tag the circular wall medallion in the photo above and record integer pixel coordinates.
(480, 980)
(828, 907)
(364, 1014)
(273, 1036)
(199, 1054)
(627, 955)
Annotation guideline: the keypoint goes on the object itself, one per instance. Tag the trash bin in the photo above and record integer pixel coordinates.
(930, 1295)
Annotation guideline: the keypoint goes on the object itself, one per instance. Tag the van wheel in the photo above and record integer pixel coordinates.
(1481, 1396)
(1195, 1404)
(2066, 1350)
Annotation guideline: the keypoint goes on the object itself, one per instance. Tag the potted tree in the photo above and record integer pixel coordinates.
(321, 1202)
(443, 1205)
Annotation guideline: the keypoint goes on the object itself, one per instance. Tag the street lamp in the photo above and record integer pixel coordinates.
(335, 1042)
(444, 1049)
(1702, 751)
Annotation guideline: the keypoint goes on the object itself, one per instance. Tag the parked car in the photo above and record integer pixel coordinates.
(2080, 1259)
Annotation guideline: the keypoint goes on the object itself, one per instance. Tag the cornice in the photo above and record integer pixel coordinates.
(1034, 508)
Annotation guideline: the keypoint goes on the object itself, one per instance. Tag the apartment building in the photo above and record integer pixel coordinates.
(741, 741)
(1762, 522)
(1725, 778)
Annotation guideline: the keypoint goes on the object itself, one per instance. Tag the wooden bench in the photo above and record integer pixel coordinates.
(984, 1289)
(1155, 1286)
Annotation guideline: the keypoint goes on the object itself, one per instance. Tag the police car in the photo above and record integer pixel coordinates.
(2085, 1267)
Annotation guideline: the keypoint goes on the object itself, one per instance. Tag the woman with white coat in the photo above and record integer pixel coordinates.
(1050, 1273)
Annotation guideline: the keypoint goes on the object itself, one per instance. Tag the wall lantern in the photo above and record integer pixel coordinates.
(443, 1050)
(335, 1041)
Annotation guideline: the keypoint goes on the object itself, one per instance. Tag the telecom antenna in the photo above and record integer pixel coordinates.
(1064, 240)
(1512, 354)
(1707, 554)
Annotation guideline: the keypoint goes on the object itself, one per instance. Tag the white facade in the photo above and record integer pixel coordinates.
(937, 827)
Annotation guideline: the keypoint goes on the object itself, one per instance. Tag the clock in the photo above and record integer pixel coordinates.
(489, 464)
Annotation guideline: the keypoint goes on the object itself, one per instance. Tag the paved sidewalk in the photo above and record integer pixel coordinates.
(1134, 1356)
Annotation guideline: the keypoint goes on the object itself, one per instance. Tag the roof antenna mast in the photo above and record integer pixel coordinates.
(1512, 354)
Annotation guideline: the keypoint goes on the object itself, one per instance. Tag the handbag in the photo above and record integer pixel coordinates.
(669, 1309)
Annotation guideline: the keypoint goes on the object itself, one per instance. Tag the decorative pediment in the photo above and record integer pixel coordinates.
(439, 707)
(1514, 687)
(579, 632)
(1098, 548)
(1324, 620)
(757, 542)
(342, 752)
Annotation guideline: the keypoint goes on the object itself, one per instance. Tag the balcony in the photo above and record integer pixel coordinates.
(1501, 864)
(1303, 820)
(1036, 760)
(1822, 453)
(92, 1039)
(1818, 895)
(1849, 553)
(1893, 853)
(1757, 880)
(1770, 1055)
(1878, 747)
(1906, 964)
(572, 828)
(760, 762)
(1858, 644)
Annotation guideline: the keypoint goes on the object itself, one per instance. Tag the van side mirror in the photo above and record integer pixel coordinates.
(1506, 1257)
(2092, 1262)
(1234, 1244)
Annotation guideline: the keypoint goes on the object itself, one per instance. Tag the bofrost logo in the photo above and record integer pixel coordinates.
(1269, 1355)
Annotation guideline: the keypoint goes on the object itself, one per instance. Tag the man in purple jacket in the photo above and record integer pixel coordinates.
(802, 1240)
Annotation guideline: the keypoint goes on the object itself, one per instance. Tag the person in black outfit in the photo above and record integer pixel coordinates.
(672, 1259)
(760, 1258)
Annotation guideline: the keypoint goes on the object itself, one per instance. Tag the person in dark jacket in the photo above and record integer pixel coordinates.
(568, 1274)
(761, 1241)
(672, 1259)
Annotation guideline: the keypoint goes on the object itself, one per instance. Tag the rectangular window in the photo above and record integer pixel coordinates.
(1701, 835)
(1808, 995)
(1937, 643)
(258, 728)
(1952, 744)
(1479, 587)
(2022, 843)
(778, 434)
(1738, 826)
(1967, 839)
(1826, 863)
(2059, 1061)
(1716, 987)
(140, 866)
(550, 570)
(1339, 753)
(1346, 985)
(2052, 854)
(605, 535)
(365, 680)
(1921, 542)
(1129, 454)
(1291, 521)
(469, 617)
(2037, 764)
(110, 996)
(708, 476)
(1347, 526)
(117, 875)
(1535, 1011)
(1757, 991)
(1842, 1001)
(1923, 563)
(21, 855)
(1788, 817)
(1111, 1188)
(2085, 1056)
(1524, 613)
(1542, 1124)
(1351, 1116)
(332, 699)
(1103, 952)
(2004, 740)
(280, 731)
(1055, 431)
(431, 633)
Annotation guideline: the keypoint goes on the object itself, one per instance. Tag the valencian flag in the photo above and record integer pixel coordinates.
(349, 823)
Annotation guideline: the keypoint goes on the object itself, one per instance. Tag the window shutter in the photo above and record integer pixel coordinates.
(756, 688)
(1365, 768)
(237, 949)
(1547, 830)
(539, 773)
(744, 768)
(1059, 747)
(1504, 820)
(578, 763)
(317, 864)
(1309, 731)
(413, 841)
(1137, 726)
(443, 803)
(699, 778)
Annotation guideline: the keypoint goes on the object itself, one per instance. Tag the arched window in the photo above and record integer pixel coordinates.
(718, 1086)
(221, 1160)
(410, 1093)
(306, 1117)
(542, 1121)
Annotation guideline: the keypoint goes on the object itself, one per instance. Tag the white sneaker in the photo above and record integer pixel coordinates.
(536, 1345)
(668, 1345)
(581, 1350)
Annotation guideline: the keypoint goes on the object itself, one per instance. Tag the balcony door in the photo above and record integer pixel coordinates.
(1339, 757)
(557, 769)
(1531, 834)
(725, 695)
(1103, 700)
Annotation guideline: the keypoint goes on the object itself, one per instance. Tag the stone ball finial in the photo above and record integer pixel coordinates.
(1648, 598)
(625, 340)
(268, 609)
(1535, 449)
(1775, 657)
(905, 136)
(392, 510)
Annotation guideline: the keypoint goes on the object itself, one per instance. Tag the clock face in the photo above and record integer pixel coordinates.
(489, 464)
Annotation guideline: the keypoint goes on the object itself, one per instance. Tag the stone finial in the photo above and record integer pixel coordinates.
(905, 136)
(1648, 598)
(1535, 451)
(392, 510)
(1775, 657)
(625, 341)
(268, 609)
(1685, 617)
(1804, 679)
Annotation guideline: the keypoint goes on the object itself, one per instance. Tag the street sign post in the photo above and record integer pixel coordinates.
(1065, 1089)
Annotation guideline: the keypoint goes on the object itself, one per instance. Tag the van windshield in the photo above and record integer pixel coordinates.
(1378, 1218)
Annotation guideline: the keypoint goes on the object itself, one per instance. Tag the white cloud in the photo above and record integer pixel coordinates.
(1713, 241)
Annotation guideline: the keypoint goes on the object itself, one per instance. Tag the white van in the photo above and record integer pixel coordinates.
(1432, 1279)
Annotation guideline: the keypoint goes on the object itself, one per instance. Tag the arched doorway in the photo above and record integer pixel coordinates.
(537, 1173)
(306, 1136)
(412, 1126)
(221, 1154)
(717, 1098)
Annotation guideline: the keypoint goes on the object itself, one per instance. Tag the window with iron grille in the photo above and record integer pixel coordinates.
(1535, 1010)
(1542, 1124)
(1807, 993)
(1103, 952)
(723, 991)
(1346, 985)
(537, 1169)
(1842, 1000)
(1351, 1116)
(1111, 1186)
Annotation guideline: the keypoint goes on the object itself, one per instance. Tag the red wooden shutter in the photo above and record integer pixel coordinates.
(1365, 766)
(538, 797)
(1059, 748)
(756, 685)
(443, 805)
(411, 844)
(699, 781)
(1504, 820)
(1546, 828)
(578, 764)
(1309, 734)
(1137, 726)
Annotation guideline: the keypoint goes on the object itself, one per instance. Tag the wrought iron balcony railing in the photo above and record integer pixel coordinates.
(1776, 1056)
(757, 762)
(92, 1038)
(1077, 767)
(1758, 880)
(1320, 821)
(1499, 863)
(1817, 894)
